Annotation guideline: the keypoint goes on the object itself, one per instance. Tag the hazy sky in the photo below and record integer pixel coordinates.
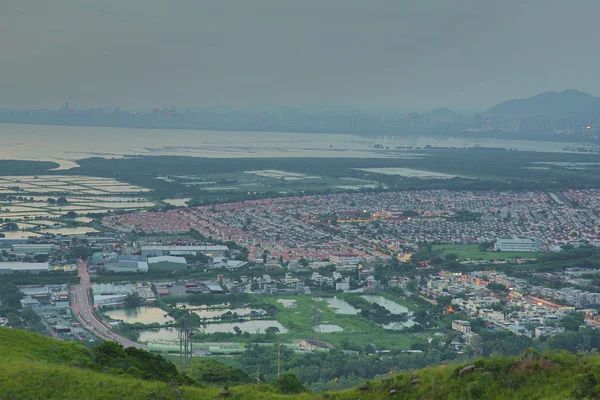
(410, 55)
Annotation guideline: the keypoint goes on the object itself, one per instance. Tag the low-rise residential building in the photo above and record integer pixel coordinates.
(463, 327)
(342, 286)
(345, 258)
(547, 331)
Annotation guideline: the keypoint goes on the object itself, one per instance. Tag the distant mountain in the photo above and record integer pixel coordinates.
(550, 104)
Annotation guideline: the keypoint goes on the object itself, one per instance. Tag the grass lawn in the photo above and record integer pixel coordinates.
(471, 252)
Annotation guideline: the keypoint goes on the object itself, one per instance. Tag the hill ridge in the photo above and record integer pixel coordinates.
(550, 104)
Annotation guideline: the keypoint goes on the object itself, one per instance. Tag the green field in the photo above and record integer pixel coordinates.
(357, 330)
(470, 252)
(299, 322)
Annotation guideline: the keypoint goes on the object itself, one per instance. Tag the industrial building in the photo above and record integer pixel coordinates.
(116, 263)
(159, 250)
(108, 294)
(221, 262)
(36, 248)
(31, 268)
(166, 263)
(8, 243)
(214, 288)
(100, 258)
(126, 266)
(517, 243)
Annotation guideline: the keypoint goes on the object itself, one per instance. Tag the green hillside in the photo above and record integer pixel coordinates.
(36, 367)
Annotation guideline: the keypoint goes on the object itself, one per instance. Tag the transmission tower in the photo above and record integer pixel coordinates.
(186, 331)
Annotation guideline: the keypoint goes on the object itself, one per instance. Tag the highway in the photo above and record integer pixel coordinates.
(83, 308)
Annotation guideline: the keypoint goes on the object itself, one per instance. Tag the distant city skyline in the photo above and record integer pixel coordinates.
(315, 109)
(412, 56)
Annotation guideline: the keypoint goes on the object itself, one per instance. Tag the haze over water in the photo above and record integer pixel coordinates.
(47, 142)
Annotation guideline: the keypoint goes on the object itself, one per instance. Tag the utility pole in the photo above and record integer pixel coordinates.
(258, 374)
(278, 359)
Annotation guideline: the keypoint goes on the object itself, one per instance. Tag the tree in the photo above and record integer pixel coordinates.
(437, 261)
(10, 226)
(71, 214)
(41, 257)
(289, 384)
(572, 321)
(61, 200)
(237, 330)
(11, 295)
(497, 287)
(370, 348)
(132, 300)
(484, 246)
(214, 372)
(451, 257)
(271, 331)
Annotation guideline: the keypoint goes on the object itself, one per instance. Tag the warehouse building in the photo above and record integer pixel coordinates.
(126, 266)
(118, 263)
(8, 243)
(30, 268)
(166, 263)
(108, 294)
(36, 248)
(214, 288)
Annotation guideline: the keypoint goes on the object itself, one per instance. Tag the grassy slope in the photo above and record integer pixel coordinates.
(35, 367)
(553, 376)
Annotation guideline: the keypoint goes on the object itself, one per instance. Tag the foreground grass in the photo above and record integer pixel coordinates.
(37, 367)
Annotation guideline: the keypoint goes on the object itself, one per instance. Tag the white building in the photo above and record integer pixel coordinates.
(517, 243)
(108, 294)
(159, 250)
(463, 327)
(344, 258)
(289, 279)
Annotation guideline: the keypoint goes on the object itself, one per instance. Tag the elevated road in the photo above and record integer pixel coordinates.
(82, 306)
